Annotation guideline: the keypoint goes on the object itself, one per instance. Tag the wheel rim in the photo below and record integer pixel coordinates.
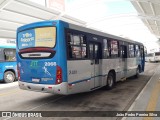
(110, 81)
(137, 71)
(9, 77)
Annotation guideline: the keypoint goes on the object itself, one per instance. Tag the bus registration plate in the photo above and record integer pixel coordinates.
(35, 80)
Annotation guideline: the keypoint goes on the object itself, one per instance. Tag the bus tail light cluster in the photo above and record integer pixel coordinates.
(59, 75)
(18, 71)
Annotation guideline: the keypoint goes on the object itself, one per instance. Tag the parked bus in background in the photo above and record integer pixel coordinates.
(153, 57)
(62, 58)
(8, 64)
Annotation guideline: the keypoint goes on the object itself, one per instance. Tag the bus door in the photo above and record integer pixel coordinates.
(142, 57)
(94, 51)
(123, 61)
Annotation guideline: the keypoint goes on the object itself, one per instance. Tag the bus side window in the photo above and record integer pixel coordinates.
(142, 51)
(91, 55)
(76, 46)
(1, 54)
(131, 51)
(105, 49)
(69, 42)
(97, 54)
(123, 51)
(114, 48)
(137, 51)
(10, 54)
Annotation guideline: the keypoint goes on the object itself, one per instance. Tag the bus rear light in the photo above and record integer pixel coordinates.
(59, 75)
(49, 87)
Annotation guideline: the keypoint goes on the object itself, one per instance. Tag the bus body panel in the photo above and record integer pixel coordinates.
(5, 66)
(81, 80)
(61, 49)
(43, 71)
(40, 75)
(55, 89)
(38, 71)
(157, 58)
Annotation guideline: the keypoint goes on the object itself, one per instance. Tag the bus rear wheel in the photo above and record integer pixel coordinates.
(137, 72)
(9, 77)
(110, 81)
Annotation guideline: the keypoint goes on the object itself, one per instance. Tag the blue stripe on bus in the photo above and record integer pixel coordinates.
(78, 81)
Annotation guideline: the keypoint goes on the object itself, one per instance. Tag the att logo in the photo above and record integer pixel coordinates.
(34, 64)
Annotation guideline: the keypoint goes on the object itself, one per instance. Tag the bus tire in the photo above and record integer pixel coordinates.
(9, 77)
(110, 81)
(137, 72)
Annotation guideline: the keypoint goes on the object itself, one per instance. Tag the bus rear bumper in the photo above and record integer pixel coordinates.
(55, 89)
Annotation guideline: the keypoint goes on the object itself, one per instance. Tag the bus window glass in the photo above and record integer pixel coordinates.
(76, 40)
(10, 54)
(76, 52)
(1, 54)
(96, 54)
(137, 51)
(150, 55)
(131, 50)
(105, 49)
(70, 39)
(76, 46)
(91, 56)
(96, 51)
(83, 52)
(38, 37)
(157, 53)
(114, 48)
(83, 41)
(142, 52)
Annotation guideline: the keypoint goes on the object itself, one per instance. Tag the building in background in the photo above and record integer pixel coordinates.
(8, 42)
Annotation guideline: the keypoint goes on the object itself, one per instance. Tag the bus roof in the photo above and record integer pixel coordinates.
(37, 24)
(84, 29)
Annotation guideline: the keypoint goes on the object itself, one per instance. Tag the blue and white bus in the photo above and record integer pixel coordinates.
(62, 58)
(153, 57)
(8, 64)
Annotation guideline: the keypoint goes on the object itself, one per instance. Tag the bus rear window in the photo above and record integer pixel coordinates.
(157, 53)
(38, 37)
